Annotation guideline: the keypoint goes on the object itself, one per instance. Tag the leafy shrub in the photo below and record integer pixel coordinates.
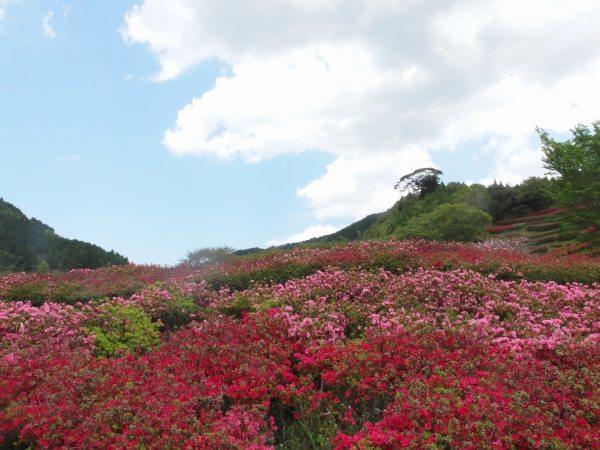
(567, 235)
(577, 161)
(238, 306)
(122, 328)
(34, 292)
(476, 196)
(243, 280)
(545, 239)
(344, 358)
(172, 306)
(178, 313)
(448, 222)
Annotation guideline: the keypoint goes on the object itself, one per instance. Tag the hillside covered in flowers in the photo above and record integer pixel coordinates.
(367, 345)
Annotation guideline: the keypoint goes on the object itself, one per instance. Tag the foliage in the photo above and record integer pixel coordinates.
(42, 267)
(121, 328)
(448, 222)
(419, 182)
(352, 232)
(503, 200)
(475, 195)
(208, 255)
(279, 266)
(577, 161)
(344, 358)
(28, 244)
(534, 194)
(173, 306)
(408, 207)
(498, 200)
(81, 285)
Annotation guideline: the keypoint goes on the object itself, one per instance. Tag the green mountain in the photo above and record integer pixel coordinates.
(498, 201)
(28, 244)
(524, 212)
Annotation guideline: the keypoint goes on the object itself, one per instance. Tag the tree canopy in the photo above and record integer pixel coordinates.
(449, 222)
(28, 244)
(419, 182)
(208, 255)
(577, 162)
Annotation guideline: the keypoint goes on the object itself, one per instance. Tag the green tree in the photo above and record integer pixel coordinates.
(448, 222)
(475, 195)
(503, 199)
(208, 255)
(533, 194)
(420, 182)
(42, 267)
(577, 162)
(24, 242)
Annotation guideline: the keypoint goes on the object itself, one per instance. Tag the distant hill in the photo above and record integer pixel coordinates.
(526, 207)
(28, 244)
(498, 200)
(352, 232)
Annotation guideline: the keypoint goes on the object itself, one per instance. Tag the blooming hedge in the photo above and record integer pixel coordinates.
(362, 346)
(279, 266)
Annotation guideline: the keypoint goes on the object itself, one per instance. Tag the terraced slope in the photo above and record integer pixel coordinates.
(542, 232)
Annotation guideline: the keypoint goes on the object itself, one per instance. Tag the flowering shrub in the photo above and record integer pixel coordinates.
(361, 346)
(206, 387)
(509, 244)
(83, 285)
(172, 306)
(29, 332)
(521, 315)
(451, 392)
(121, 328)
(398, 256)
(80, 284)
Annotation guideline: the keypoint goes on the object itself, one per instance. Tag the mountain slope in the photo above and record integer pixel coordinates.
(522, 211)
(542, 232)
(29, 244)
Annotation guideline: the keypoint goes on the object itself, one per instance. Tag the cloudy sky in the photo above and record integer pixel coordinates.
(157, 126)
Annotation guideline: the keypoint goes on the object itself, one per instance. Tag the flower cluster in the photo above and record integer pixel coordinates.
(523, 316)
(279, 266)
(509, 244)
(360, 346)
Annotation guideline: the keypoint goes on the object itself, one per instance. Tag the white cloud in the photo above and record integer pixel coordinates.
(3, 6)
(72, 157)
(381, 85)
(309, 233)
(355, 187)
(47, 26)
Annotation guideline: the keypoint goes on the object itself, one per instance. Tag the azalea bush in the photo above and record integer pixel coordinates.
(84, 285)
(121, 328)
(378, 345)
(80, 285)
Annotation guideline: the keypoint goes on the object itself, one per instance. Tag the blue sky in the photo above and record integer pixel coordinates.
(81, 146)
(84, 123)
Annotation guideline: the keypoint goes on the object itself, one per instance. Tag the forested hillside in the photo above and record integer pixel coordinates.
(28, 244)
(558, 214)
(499, 201)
